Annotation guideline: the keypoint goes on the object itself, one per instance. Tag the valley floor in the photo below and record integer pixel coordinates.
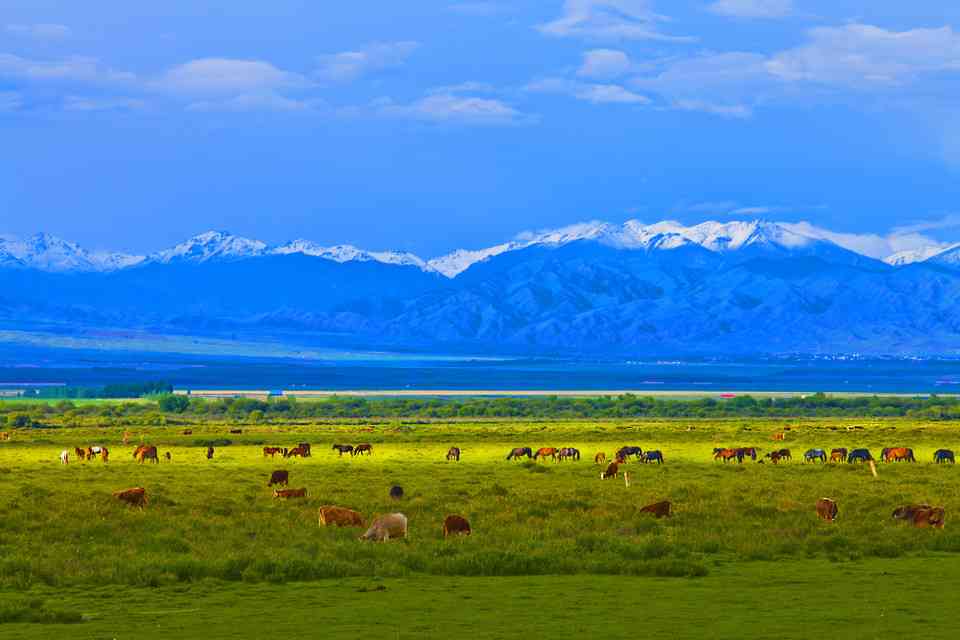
(791, 599)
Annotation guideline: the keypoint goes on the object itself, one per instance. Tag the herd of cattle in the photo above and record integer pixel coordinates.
(841, 455)
(394, 525)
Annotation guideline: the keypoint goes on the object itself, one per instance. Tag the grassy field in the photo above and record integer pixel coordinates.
(213, 535)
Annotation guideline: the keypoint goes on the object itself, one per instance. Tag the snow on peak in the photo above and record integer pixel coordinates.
(46, 252)
(349, 253)
(211, 245)
(922, 254)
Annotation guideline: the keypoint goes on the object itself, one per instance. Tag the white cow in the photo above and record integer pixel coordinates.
(392, 525)
(64, 457)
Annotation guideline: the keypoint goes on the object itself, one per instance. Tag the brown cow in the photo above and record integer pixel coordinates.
(600, 458)
(659, 509)
(932, 517)
(826, 509)
(392, 525)
(612, 469)
(136, 497)
(279, 477)
(339, 516)
(455, 526)
(145, 452)
(289, 493)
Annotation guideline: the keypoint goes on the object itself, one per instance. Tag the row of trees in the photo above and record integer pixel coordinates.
(551, 407)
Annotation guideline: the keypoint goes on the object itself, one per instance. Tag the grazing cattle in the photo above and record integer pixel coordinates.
(838, 455)
(341, 449)
(625, 452)
(826, 509)
(236, 430)
(728, 454)
(361, 449)
(187, 432)
(943, 455)
(859, 455)
(387, 527)
(209, 453)
(907, 511)
(453, 453)
(812, 455)
(64, 457)
(600, 458)
(279, 477)
(289, 493)
(653, 456)
(519, 452)
(455, 526)
(568, 452)
(294, 453)
(272, 451)
(339, 516)
(930, 517)
(81, 453)
(897, 454)
(658, 509)
(396, 492)
(135, 497)
(168, 456)
(612, 470)
(145, 452)
(543, 452)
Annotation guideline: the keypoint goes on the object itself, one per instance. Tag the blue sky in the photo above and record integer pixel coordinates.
(427, 126)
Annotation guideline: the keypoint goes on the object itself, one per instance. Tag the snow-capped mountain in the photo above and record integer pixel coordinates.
(912, 256)
(949, 257)
(212, 245)
(349, 253)
(46, 252)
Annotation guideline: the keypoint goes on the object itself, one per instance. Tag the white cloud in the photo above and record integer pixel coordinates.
(588, 92)
(860, 55)
(226, 76)
(604, 64)
(869, 244)
(76, 69)
(256, 102)
(951, 221)
(450, 108)
(609, 20)
(39, 31)
(350, 65)
(465, 87)
(753, 8)
(81, 103)
(10, 101)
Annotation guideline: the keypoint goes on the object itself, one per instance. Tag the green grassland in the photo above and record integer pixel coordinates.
(549, 538)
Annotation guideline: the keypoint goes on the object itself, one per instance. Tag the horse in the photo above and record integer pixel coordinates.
(168, 456)
(600, 458)
(897, 454)
(811, 455)
(780, 435)
(519, 452)
(748, 452)
(728, 454)
(343, 448)
(611, 472)
(838, 455)
(453, 453)
(209, 453)
(859, 455)
(145, 452)
(81, 453)
(943, 455)
(304, 449)
(271, 451)
(544, 452)
(104, 453)
(624, 452)
(295, 452)
(653, 456)
(568, 452)
(778, 455)
(361, 449)
(64, 457)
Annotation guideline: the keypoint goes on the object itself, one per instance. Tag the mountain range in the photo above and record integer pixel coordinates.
(744, 287)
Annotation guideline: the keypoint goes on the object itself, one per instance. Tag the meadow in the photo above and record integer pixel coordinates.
(213, 526)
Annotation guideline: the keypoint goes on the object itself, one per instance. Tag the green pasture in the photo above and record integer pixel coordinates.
(212, 527)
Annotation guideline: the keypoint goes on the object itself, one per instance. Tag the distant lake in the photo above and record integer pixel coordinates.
(412, 372)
